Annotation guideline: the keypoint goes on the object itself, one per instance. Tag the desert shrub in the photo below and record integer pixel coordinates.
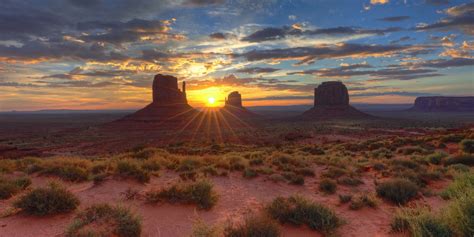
(297, 210)
(350, 181)
(189, 164)
(363, 200)
(459, 186)
(436, 158)
(452, 138)
(313, 150)
(420, 222)
(277, 178)
(129, 168)
(210, 170)
(201, 229)
(70, 169)
(143, 154)
(412, 150)
(465, 159)
(334, 172)
(327, 186)
(151, 165)
(402, 164)
(199, 192)
(294, 178)
(253, 226)
(98, 168)
(105, 220)
(99, 178)
(49, 200)
(459, 214)
(287, 162)
(467, 145)
(460, 168)
(10, 187)
(249, 173)
(345, 198)
(381, 153)
(233, 162)
(379, 166)
(399, 191)
(265, 170)
(69, 173)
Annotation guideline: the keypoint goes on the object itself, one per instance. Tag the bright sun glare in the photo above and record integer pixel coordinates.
(211, 101)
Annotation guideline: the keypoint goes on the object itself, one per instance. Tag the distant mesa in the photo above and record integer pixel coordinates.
(331, 100)
(169, 103)
(444, 104)
(233, 105)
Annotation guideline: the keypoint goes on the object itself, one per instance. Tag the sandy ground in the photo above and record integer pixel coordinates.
(237, 197)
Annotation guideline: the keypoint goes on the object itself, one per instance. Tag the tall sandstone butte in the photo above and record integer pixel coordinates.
(444, 104)
(169, 103)
(331, 100)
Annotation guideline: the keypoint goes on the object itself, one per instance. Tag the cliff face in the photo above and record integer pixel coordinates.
(166, 92)
(331, 101)
(444, 104)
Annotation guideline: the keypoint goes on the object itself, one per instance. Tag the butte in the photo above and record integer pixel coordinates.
(331, 101)
(169, 103)
(233, 106)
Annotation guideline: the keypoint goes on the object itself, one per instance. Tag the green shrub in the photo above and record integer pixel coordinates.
(349, 181)
(459, 186)
(363, 200)
(10, 187)
(465, 159)
(297, 210)
(467, 145)
(105, 220)
(50, 200)
(200, 193)
(459, 213)
(294, 178)
(345, 198)
(327, 186)
(420, 222)
(436, 158)
(399, 191)
(254, 226)
(249, 173)
(129, 168)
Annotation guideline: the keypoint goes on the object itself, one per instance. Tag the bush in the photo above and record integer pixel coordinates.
(459, 186)
(128, 168)
(254, 226)
(200, 193)
(420, 222)
(294, 178)
(105, 220)
(334, 172)
(345, 198)
(363, 200)
(297, 210)
(327, 186)
(350, 181)
(399, 191)
(50, 200)
(467, 145)
(460, 213)
(461, 159)
(8, 187)
(249, 173)
(436, 158)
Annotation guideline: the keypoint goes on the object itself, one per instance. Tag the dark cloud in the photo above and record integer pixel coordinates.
(394, 18)
(273, 33)
(203, 2)
(438, 2)
(400, 93)
(401, 39)
(444, 63)
(309, 54)
(252, 70)
(459, 17)
(222, 36)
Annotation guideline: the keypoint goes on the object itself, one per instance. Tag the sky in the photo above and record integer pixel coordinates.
(103, 54)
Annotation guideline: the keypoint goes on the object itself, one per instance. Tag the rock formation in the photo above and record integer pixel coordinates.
(233, 105)
(331, 100)
(169, 103)
(444, 104)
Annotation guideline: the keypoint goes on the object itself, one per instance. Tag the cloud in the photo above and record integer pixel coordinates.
(375, 2)
(203, 2)
(399, 93)
(222, 36)
(438, 2)
(394, 18)
(278, 33)
(252, 70)
(460, 17)
(310, 54)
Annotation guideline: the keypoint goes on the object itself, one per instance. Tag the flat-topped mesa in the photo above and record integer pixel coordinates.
(166, 92)
(444, 104)
(331, 93)
(234, 99)
(331, 100)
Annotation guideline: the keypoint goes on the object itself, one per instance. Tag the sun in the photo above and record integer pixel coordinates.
(211, 101)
